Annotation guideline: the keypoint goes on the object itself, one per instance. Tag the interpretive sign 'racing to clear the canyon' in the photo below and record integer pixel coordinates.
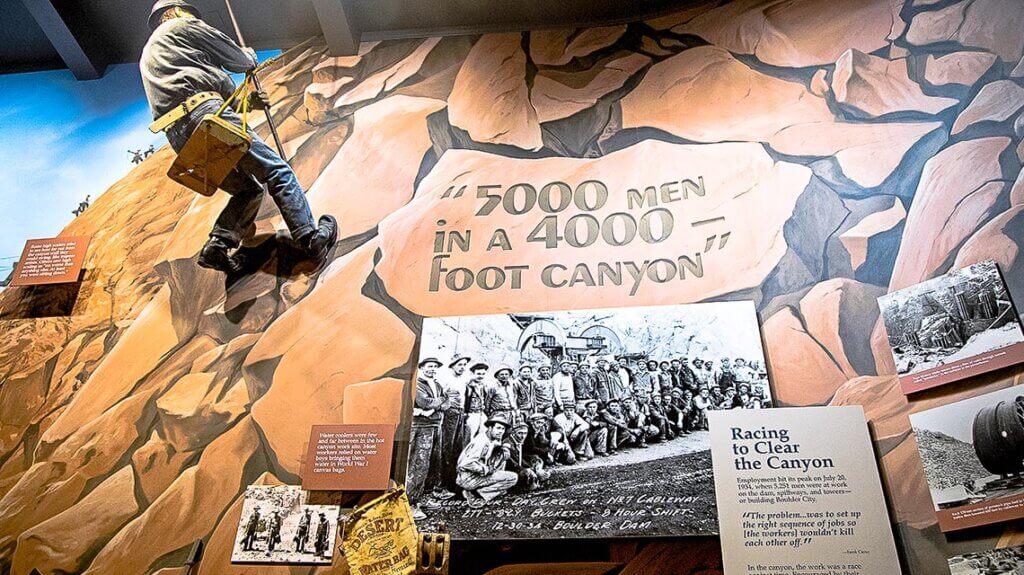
(585, 423)
(952, 327)
(799, 494)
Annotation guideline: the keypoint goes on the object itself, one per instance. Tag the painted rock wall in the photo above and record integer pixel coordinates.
(840, 151)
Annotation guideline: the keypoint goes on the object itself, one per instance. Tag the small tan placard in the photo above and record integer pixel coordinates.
(354, 457)
(380, 537)
(51, 261)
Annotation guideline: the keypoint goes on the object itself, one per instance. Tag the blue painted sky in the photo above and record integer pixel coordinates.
(62, 139)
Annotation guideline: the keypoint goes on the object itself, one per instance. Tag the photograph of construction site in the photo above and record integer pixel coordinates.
(1007, 561)
(951, 327)
(578, 423)
(973, 456)
(277, 525)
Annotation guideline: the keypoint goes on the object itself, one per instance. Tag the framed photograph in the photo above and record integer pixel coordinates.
(952, 327)
(1008, 561)
(973, 456)
(578, 424)
(277, 526)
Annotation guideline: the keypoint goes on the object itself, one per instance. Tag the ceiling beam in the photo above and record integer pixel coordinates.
(338, 26)
(84, 64)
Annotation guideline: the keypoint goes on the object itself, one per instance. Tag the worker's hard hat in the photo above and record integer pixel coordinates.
(161, 5)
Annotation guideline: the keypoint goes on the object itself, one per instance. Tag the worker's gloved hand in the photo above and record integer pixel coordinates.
(259, 100)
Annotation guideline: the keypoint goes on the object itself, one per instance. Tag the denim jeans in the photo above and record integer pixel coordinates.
(424, 462)
(261, 165)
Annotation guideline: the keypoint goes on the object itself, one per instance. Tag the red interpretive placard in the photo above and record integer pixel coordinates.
(349, 457)
(51, 261)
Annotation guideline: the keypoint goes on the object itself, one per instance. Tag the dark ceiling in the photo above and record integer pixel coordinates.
(103, 32)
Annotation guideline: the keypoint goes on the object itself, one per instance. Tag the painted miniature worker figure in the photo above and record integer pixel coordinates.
(186, 59)
(82, 206)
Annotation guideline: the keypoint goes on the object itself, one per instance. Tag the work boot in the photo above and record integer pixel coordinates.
(319, 243)
(418, 514)
(474, 500)
(442, 494)
(215, 255)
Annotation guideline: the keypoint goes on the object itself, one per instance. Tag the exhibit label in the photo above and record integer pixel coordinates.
(51, 261)
(798, 492)
(349, 457)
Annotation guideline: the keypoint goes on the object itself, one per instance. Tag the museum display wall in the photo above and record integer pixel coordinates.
(809, 156)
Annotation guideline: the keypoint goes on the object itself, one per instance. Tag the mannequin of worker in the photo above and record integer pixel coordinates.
(184, 57)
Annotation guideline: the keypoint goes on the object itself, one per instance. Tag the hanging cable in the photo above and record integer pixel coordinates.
(256, 81)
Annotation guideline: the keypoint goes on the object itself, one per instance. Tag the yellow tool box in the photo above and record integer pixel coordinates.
(214, 148)
(210, 154)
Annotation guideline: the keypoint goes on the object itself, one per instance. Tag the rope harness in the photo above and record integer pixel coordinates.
(216, 146)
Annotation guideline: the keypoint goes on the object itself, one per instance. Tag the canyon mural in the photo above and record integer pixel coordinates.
(844, 150)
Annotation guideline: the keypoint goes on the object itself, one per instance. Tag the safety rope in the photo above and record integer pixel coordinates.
(242, 93)
(243, 90)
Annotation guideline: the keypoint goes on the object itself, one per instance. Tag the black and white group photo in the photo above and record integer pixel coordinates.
(277, 526)
(949, 319)
(1007, 561)
(973, 449)
(578, 423)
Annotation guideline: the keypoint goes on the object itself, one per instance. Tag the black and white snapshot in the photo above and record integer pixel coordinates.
(578, 423)
(951, 327)
(1007, 561)
(973, 456)
(277, 526)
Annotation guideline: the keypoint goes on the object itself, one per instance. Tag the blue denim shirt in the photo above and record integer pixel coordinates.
(186, 56)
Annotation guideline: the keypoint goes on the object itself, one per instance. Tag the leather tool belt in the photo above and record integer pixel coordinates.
(182, 110)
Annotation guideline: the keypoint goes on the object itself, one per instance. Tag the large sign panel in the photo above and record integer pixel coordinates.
(798, 492)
